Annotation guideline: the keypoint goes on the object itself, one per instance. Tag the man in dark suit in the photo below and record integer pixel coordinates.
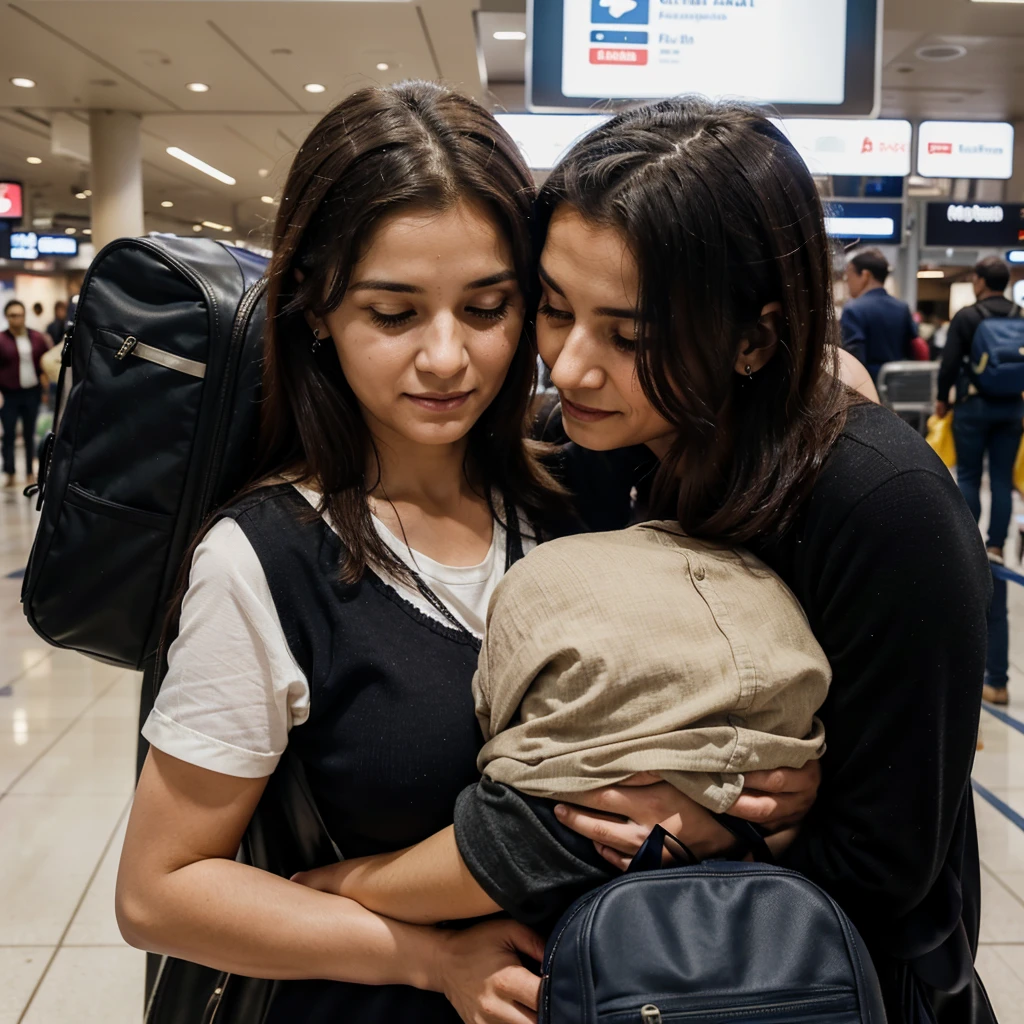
(876, 328)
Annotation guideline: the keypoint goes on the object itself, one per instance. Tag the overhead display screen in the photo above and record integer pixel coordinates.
(11, 204)
(27, 245)
(865, 222)
(804, 57)
(544, 139)
(864, 148)
(965, 149)
(974, 224)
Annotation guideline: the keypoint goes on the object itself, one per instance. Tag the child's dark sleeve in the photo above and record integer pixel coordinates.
(530, 864)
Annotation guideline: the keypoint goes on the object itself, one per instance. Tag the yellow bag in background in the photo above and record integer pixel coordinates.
(940, 437)
(1018, 469)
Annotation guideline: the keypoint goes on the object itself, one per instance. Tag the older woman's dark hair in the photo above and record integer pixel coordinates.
(412, 146)
(723, 218)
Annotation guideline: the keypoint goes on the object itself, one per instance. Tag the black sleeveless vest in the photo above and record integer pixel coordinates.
(392, 736)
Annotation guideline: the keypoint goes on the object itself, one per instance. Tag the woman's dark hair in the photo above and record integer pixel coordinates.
(995, 272)
(13, 302)
(723, 218)
(414, 145)
(874, 262)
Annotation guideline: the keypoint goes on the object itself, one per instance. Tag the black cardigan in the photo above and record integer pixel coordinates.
(889, 565)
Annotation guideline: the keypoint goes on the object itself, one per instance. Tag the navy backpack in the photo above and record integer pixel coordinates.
(997, 354)
(721, 942)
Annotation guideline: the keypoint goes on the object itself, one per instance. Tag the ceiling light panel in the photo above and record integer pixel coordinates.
(509, 37)
(23, 83)
(315, 87)
(33, 160)
(197, 87)
(199, 165)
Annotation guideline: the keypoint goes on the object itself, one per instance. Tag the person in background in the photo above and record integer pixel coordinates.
(876, 327)
(55, 329)
(984, 424)
(21, 348)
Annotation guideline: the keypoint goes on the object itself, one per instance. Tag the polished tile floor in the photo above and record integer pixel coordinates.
(67, 748)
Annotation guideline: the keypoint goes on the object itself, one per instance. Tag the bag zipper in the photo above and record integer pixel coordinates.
(216, 998)
(133, 347)
(652, 1014)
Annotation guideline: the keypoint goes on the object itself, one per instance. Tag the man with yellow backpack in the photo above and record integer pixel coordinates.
(984, 360)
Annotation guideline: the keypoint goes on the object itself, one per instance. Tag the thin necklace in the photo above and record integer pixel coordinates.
(421, 585)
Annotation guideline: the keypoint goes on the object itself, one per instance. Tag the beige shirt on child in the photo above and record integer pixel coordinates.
(645, 650)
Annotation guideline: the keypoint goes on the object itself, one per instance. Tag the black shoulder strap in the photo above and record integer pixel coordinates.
(983, 311)
(513, 534)
(290, 541)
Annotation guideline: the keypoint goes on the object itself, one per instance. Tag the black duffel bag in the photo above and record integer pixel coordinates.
(722, 942)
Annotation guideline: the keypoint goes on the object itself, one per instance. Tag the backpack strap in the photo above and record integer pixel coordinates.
(749, 835)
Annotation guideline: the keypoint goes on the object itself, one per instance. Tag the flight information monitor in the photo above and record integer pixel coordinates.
(803, 57)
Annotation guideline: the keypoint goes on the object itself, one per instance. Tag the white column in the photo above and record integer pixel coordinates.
(115, 141)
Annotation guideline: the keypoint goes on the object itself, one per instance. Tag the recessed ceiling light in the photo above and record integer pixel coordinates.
(383, 66)
(263, 172)
(928, 275)
(509, 37)
(942, 53)
(87, 192)
(197, 227)
(70, 231)
(268, 199)
(81, 195)
(33, 160)
(167, 204)
(197, 87)
(199, 165)
(214, 226)
(86, 231)
(314, 87)
(23, 83)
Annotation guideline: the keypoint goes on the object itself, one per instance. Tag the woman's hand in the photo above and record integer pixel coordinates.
(778, 799)
(619, 818)
(482, 976)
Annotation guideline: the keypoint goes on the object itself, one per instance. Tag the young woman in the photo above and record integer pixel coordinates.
(687, 308)
(337, 610)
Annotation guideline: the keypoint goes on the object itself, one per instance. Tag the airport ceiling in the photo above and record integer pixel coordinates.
(257, 56)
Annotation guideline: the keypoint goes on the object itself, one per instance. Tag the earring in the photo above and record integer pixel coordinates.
(316, 341)
(749, 372)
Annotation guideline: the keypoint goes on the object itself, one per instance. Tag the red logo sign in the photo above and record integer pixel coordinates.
(940, 148)
(867, 146)
(10, 201)
(603, 55)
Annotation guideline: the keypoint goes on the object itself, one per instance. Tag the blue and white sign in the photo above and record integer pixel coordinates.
(27, 245)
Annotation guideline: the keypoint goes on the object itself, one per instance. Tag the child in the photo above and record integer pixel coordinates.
(586, 680)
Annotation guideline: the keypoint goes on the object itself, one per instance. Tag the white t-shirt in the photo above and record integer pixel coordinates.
(233, 691)
(27, 377)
